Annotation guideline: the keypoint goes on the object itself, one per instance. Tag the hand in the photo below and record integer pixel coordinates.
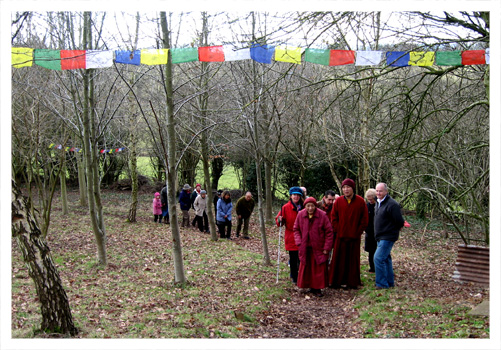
(240, 216)
(325, 252)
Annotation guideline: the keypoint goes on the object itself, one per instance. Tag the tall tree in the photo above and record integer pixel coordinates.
(179, 275)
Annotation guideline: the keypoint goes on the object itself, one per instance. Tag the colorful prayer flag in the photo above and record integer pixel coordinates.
(420, 58)
(368, 58)
(128, 57)
(72, 59)
(448, 58)
(397, 58)
(284, 53)
(98, 59)
(318, 56)
(211, 54)
(154, 57)
(262, 53)
(341, 57)
(50, 59)
(185, 54)
(473, 57)
(235, 55)
(22, 57)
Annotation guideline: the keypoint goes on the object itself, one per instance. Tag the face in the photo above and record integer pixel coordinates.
(329, 200)
(381, 192)
(295, 197)
(248, 196)
(226, 196)
(371, 199)
(310, 208)
(203, 195)
(198, 188)
(347, 191)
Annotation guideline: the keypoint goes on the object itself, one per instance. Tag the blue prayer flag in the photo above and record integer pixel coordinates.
(262, 53)
(128, 57)
(397, 58)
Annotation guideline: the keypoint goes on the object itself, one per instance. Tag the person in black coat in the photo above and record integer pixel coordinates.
(370, 242)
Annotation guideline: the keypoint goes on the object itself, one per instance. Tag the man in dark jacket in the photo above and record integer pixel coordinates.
(165, 205)
(388, 221)
(185, 204)
(244, 209)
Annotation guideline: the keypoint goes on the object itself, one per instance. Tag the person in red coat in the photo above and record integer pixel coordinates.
(286, 217)
(313, 236)
(349, 218)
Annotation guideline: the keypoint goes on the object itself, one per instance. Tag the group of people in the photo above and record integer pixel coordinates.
(197, 201)
(323, 238)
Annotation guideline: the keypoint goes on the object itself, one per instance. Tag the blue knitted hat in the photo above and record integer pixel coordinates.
(296, 190)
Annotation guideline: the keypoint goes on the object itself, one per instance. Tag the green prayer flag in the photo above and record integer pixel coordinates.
(318, 56)
(448, 58)
(50, 59)
(187, 54)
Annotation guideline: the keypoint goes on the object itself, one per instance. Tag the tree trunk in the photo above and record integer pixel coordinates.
(64, 194)
(133, 156)
(268, 196)
(82, 184)
(55, 309)
(177, 254)
(91, 163)
(217, 167)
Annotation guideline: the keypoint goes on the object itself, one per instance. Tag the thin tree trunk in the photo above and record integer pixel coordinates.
(91, 165)
(133, 157)
(268, 196)
(64, 194)
(82, 184)
(55, 308)
(177, 254)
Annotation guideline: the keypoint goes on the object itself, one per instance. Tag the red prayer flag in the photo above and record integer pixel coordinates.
(72, 59)
(341, 57)
(211, 54)
(473, 57)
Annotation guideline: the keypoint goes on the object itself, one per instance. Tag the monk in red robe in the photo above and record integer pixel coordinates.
(349, 218)
(313, 236)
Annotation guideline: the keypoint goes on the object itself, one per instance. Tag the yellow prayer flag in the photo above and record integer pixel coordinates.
(420, 58)
(289, 54)
(22, 57)
(153, 56)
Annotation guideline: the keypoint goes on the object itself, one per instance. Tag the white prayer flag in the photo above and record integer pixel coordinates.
(368, 58)
(98, 59)
(487, 56)
(235, 55)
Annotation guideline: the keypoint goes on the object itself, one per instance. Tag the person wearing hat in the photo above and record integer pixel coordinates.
(194, 196)
(185, 204)
(200, 206)
(313, 235)
(349, 218)
(244, 209)
(157, 208)
(286, 217)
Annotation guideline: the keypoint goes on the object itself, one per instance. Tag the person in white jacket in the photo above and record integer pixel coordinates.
(200, 205)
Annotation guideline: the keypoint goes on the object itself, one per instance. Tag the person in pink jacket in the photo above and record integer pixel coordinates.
(157, 208)
(314, 237)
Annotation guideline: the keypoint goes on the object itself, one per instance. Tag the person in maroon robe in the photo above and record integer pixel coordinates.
(349, 218)
(313, 236)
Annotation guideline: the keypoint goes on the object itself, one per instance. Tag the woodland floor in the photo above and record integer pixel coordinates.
(230, 293)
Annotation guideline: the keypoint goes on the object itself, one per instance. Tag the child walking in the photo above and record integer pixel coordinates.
(157, 208)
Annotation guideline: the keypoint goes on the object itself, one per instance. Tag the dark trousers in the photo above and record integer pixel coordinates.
(371, 261)
(245, 221)
(202, 222)
(294, 264)
(224, 228)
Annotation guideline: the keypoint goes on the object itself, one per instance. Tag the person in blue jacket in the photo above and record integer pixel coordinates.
(224, 207)
(185, 204)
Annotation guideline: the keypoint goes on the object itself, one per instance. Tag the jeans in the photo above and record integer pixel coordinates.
(384, 265)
